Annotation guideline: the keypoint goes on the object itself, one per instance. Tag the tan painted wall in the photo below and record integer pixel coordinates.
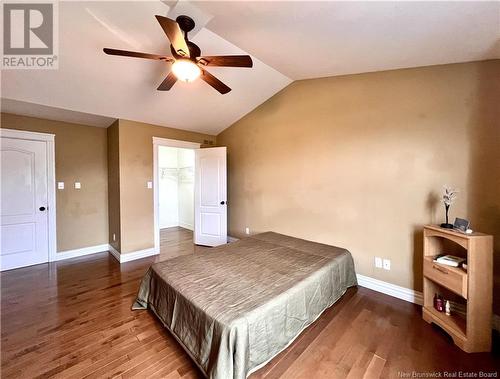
(81, 155)
(114, 185)
(136, 169)
(359, 161)
(484, 178)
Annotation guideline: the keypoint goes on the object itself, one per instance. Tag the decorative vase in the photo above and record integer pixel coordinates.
(447, 225)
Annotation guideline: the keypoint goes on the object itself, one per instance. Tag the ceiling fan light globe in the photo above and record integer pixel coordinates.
(186, 70)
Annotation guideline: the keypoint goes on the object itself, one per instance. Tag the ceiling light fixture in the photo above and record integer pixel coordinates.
(186, 70)
(187, 62)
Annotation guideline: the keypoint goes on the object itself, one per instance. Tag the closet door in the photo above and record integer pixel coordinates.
(210, 202)
(24, 198)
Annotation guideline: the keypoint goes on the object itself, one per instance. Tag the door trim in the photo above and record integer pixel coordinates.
(51, 180)
(157, 141)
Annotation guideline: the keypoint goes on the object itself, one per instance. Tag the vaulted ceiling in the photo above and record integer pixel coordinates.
(307, 39)
(287, 40)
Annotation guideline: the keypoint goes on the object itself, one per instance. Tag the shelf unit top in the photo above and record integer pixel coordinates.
(454, 233)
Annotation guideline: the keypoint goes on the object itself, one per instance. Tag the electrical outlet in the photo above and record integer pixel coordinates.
(387, 264)
(378, 262)
(114, 237)
(247, 230)
(60, 185)
(149, 185)
(78, 185)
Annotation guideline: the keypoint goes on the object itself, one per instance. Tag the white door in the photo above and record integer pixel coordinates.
(210, 202)
(23, 210)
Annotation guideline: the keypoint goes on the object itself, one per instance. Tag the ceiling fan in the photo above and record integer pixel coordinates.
(187, 62)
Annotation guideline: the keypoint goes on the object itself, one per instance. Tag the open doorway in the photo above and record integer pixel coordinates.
(176, 187)
(174, 170)
(190, 195)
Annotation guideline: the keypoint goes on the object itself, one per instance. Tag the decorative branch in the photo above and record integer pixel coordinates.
(449, 195)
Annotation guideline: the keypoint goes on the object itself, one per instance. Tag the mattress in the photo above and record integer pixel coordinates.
(237, 306)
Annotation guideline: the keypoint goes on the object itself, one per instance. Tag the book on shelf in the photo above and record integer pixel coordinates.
(449, 260)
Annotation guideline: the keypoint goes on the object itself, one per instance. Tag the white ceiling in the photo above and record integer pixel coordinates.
(288, 40)
(90, 81)
(306, 39)
(53, 113)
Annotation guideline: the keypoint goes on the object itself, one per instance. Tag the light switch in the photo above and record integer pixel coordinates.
(78, 185)
(150, 185)
(60, 185)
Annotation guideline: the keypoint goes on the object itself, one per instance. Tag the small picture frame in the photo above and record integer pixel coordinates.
(461, 224)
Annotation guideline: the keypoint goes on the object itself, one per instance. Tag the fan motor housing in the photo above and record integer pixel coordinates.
(186, 23)
(194, 51)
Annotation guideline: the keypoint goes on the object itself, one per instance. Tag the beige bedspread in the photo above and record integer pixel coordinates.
(237, 306)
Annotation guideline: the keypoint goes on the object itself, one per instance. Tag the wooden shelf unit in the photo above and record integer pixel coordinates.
(474, 286)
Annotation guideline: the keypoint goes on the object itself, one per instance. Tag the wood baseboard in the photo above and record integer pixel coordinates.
(115, 253)
(402, 293)
(74, 253)
(132, 256)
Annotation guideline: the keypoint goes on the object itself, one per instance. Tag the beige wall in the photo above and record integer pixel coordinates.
(136, 169)
(80, 155)
(359, 161)
(484, 178)
(114, 185)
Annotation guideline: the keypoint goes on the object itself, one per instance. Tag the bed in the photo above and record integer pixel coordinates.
(237, 306)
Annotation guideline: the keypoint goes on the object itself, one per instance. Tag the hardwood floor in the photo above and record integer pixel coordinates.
(177, 241)
(72, 319)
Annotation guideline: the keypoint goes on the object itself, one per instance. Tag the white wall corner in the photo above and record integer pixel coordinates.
(67, 254)
(137, 255)
(185, 225)
(115, 253)
(132, 256)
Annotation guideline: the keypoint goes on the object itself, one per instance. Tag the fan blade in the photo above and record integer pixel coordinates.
(174, 34)
(214, 82)
(227, 61)
(136, 54)
(168, 82)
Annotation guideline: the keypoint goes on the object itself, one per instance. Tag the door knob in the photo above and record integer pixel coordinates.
(41, 209)
(222, 202)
